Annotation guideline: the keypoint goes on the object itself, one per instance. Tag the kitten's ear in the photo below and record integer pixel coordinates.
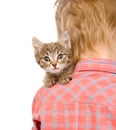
(37, 45)
(65, 40)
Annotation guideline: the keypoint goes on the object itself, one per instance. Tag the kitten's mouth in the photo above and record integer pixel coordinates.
(55, 68)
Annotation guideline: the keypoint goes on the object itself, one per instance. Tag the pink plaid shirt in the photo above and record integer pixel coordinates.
(88, 102)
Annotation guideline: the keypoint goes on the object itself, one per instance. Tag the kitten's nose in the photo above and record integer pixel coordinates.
(54, 65)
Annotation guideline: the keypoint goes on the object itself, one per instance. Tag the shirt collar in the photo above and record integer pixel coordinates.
(96, 65)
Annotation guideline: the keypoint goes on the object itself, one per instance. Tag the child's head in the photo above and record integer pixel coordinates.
(89, 22)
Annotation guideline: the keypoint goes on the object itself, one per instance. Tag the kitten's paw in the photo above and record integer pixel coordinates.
(49, 82)
(64, 79)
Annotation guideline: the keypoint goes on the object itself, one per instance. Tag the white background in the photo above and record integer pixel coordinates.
(20, 76)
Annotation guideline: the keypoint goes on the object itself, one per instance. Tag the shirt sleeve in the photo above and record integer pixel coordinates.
(35, 111)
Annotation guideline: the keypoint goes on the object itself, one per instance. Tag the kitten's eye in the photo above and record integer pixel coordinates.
(46, 58)
(60, 56)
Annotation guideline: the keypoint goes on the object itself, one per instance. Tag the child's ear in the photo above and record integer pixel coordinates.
(65, 39)
(37, 45)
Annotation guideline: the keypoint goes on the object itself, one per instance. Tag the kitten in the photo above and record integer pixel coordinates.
(56, 59)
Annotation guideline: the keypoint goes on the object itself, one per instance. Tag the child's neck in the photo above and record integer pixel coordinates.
(102, 52)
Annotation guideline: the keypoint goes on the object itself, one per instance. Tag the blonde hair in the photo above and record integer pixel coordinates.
(88, 22)
(110, 13)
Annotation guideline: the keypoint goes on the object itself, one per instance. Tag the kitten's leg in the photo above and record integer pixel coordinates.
(49, 80)
(66, 77)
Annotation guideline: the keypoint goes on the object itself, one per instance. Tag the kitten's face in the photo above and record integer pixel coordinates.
(53, 57)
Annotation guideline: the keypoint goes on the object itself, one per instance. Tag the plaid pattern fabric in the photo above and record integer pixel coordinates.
(88, 102)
